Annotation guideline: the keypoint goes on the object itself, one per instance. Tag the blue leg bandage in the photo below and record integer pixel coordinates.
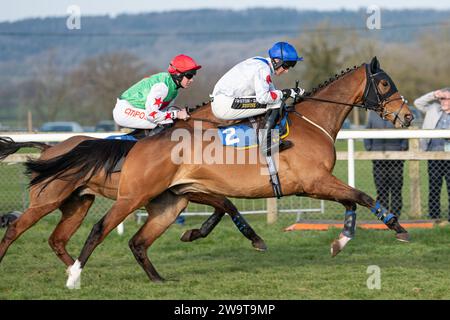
(381, 213)
(349, 223)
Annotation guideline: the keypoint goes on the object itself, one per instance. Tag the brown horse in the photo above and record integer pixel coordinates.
(149, 172)
(74, 200)
(304, 170)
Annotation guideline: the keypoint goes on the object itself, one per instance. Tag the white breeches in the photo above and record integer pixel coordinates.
(221, 108)
(126, 115)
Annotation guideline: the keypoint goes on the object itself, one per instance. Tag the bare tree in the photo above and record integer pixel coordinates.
(98, 81)
(44, 94)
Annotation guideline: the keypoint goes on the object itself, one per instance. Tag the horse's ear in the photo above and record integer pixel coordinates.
(374, 65)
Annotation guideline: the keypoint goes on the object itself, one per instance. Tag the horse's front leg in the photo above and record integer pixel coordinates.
(348, 232)
(162, 212)
(221, 205)
(329, 187)
(205, 229)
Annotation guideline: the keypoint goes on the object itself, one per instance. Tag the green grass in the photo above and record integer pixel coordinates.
(224, 265)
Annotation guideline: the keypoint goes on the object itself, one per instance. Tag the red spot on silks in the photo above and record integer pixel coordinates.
(168, 115)
(153, 114)
(273, 95)
(268, 79)
(158, 102)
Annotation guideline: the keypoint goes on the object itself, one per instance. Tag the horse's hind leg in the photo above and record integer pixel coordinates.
(118, 212)
(23, 223)
(74, 210)
(163, 211)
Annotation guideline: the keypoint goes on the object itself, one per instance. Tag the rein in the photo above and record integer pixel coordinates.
(204, 119)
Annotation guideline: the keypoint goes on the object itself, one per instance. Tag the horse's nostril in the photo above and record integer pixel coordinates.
(409, 117)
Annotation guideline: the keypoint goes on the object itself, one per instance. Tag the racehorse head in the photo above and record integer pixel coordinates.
(381, 95)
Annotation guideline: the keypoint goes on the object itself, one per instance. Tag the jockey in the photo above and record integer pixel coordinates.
(147, 103)
(247, 89)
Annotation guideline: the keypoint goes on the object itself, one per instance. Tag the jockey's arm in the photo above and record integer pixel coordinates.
(264, 88)
(154, 102)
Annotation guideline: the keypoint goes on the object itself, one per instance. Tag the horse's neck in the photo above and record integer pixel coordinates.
(348, 89)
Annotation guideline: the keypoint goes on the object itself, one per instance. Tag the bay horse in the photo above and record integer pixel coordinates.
(304, 169)
(74, 197)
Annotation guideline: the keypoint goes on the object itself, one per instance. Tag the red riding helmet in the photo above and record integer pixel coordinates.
(182, 63)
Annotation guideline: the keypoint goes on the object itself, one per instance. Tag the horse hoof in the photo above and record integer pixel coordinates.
(158, 280)
(339, 244)
(259, 245)
(74, 276)
(403, 237)
(190, 235)
(335, 248)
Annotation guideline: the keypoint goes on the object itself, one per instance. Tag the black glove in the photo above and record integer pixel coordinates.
(292, 93)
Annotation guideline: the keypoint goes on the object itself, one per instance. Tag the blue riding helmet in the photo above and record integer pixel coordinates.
(286, 53)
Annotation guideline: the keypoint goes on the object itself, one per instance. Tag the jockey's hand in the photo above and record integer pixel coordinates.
(292, 93)
(182, 114)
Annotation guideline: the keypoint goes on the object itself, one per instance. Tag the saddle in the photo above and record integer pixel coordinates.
(136, 135)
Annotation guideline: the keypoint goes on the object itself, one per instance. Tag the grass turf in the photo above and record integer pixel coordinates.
(224, 265)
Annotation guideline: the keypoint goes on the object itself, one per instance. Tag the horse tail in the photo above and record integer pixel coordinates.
(82, 162)
(9, 146)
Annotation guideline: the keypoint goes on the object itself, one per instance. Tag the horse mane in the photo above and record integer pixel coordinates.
(198, 106)
(326, 83)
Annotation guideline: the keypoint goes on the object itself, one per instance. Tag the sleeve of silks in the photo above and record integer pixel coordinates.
(264, 89)
(424, 101)
(155, 99)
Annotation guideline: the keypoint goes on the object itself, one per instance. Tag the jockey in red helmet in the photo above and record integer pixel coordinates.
(147, 103)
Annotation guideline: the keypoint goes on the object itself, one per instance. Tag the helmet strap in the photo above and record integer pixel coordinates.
(276, 65)
(177, 78)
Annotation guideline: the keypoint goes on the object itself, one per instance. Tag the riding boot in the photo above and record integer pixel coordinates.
(269, 137)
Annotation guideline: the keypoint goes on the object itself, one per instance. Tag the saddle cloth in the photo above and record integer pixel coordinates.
(244, 136)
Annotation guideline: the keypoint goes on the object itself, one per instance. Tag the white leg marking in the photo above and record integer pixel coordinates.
(73, 282)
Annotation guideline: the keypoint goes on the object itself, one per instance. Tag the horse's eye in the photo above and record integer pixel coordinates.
(384, 83)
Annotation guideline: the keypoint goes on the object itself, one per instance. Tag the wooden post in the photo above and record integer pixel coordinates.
(30, 121)
(272, 210)
(414, 183)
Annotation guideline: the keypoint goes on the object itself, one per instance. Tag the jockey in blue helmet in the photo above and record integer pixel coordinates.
(247, 90)
(282, 54)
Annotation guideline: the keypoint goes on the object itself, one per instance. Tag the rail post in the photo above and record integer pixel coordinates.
(272, 210)
(351, 162)
(414, 176)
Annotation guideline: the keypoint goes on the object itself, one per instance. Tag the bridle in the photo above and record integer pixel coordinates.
(372, 98)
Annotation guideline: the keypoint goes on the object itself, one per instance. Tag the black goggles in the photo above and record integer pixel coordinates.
(189, 74)
(288, 64)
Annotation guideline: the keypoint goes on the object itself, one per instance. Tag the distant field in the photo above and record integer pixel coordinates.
(224, 265)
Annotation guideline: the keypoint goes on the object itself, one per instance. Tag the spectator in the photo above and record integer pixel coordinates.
(387, 174)
(436, 106)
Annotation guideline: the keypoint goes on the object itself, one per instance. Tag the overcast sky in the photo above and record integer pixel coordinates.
(21, 9)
